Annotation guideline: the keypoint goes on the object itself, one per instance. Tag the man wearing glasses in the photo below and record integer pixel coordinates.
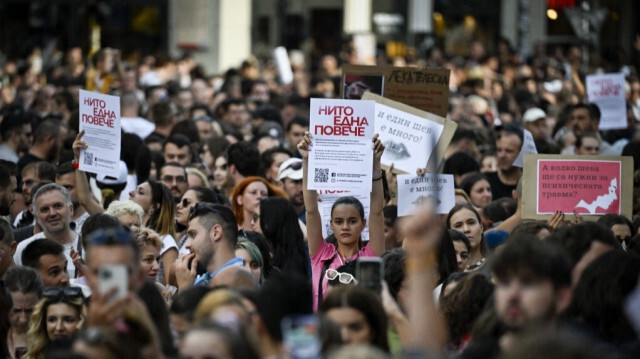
(212, 238)
(174, 176)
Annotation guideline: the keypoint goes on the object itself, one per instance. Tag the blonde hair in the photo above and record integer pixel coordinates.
(213, 300)
(199, 174)
(37, 337)
(119, 208)
(146, 237)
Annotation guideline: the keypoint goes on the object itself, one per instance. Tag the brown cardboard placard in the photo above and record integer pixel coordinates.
(443, 141)
(591, 185)
(426, 89)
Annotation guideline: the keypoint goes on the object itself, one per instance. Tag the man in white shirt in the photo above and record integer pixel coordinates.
(53, 210)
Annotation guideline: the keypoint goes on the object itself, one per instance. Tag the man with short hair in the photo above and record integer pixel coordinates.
(177, 148)
(47, 142)
(174, 176)
(587, 144)
(243, 160)
(585, 117)
(532, 287)
(212, 237)
(15, 130)
(290, 179)
(295, 132)
(66, 177)
(53, 210)
(235, 114)
(23, 288)
(130, 120)
(508, 145)
(32, 174)
(47, 257)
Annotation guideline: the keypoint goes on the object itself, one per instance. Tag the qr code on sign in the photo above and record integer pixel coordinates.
(321, 175)
(88, 158)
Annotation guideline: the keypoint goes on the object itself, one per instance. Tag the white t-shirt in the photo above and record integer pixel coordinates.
(71, 269)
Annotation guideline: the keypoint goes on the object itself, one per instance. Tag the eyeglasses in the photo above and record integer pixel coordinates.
(57, 292)
(344, 278)
(110, 237)
(171, 179)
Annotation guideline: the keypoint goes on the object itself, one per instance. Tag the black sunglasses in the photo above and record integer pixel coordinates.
(185, 202)
(294, 166)
(57, 292)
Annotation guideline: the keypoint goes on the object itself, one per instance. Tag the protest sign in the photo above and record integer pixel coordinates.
(422, 88)
(341, 156)
(589, 185)
(328, 198)
(100, 119)
(414, 190)
(412, 138)
(607, 91)
(528, 148)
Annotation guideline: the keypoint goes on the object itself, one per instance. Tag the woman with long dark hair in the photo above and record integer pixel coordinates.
(279, 224)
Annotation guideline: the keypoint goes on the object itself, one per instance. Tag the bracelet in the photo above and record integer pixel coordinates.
(75, 164)
(377, 178)
(415, 265)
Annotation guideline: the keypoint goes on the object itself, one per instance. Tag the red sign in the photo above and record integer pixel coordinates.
(585, 186)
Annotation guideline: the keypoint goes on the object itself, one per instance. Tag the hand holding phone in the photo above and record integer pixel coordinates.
(369, 272)
(112, 276)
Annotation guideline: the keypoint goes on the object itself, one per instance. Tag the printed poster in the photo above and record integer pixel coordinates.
(100, 119)
(328, 198)
(341, 155)
(607, 91)
(414, 190)
(411, 137)
(426, 89)
(589, 185)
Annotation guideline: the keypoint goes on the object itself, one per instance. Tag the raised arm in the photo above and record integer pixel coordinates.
(82, 184)
(314, 223)
(376, 218)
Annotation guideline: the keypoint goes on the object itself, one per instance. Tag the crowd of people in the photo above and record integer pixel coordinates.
(208, 244)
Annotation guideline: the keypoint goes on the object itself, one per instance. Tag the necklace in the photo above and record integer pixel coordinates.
(476, 265)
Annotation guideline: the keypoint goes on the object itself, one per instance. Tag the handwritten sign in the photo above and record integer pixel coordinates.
(528, 147)
(100, 119)
(414, 190)
(589, 185)
(607, 91)
(413, 138)
(329, 197)
(341, 155)
(423, 88)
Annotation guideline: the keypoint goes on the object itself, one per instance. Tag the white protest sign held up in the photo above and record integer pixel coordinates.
(607, 91)
(341, 155)
(100, 120)
(528, 147)
(414, 190)
(328, 198)
(408, 134)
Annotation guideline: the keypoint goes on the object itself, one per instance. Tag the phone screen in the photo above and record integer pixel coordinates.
(369, 273)
(301, 336)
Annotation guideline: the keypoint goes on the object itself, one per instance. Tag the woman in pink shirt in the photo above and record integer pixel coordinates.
(347, 223)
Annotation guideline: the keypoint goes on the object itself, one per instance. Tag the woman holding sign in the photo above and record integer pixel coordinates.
(347, 223)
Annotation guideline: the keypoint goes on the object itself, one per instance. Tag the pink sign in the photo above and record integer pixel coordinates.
(586, 186)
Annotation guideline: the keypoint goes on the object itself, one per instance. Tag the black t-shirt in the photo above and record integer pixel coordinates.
(498, 189)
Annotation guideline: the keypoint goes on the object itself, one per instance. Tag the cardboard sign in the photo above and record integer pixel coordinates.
(607, 91)
(528, 147)
(100, 119)
(329, 197)
(422, 88)
(589, 185)
(412, 138)
(341, 155)
(414, 190)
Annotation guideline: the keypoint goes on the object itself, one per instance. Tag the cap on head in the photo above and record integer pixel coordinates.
(291, 168)
(533, 114)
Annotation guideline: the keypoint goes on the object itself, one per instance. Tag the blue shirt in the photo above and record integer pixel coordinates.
(205, 279)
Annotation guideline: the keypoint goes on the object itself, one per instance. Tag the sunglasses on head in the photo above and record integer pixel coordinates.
(110, 237)
(344, 278)
(294, 166)
(57, 292)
